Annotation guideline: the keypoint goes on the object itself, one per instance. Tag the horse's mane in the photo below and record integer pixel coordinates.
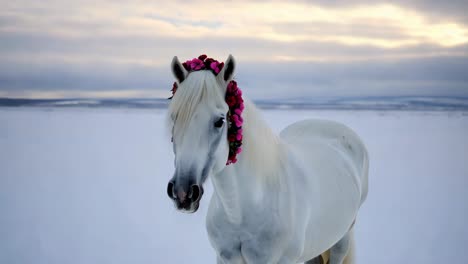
(261, 147)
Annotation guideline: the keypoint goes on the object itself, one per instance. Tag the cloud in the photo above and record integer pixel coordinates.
(247, 19)
(151, 50)
(319, 48)
(428, 76)
(436, 9)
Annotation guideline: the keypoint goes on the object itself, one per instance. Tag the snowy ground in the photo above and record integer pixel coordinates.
(88, 186)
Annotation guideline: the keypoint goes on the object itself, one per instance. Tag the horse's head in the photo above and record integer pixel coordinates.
(198, 114)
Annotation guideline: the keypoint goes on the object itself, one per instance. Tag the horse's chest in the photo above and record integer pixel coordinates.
(222, 230)
(254, 237)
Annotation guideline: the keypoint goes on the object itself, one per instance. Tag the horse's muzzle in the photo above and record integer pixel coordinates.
(185, 198)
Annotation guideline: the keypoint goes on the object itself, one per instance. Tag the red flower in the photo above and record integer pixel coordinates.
(220, 66)
(231, 101)
(174, 88)
(231, 87)
(186, 66)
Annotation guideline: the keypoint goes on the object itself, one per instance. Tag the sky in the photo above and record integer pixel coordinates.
(283, 49)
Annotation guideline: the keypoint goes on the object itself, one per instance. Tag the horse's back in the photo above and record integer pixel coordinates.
(333, 163)
(316, 133)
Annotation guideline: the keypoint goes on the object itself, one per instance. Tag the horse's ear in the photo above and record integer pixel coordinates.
(178, 70)
(229, 67)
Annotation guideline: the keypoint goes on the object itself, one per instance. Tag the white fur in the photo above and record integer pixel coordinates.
(289, 198)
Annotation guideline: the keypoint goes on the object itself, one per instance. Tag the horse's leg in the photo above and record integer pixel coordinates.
(229, 261)
(339, 251)
(230, 257)
(315, 260)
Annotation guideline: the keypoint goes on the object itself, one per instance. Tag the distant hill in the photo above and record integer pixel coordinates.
(344, 103)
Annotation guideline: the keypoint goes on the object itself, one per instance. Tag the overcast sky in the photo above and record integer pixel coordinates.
(293, 49)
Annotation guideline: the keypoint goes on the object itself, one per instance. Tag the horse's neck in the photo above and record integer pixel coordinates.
(247, 181)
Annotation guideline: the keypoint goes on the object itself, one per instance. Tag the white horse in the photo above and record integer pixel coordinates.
(288, 198)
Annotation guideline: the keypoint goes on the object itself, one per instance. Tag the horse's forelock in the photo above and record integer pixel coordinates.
(200, 87)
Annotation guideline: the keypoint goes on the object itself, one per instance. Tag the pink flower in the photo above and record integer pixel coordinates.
(239, 137)
(239, 150)
(238, 114)
(214, 67)
(237, 120)
(195, 64)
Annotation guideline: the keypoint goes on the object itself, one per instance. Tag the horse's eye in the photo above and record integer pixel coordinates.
(219, 123)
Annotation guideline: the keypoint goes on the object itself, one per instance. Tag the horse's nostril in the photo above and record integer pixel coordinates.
(195, 192)
(170, 190)
(190, 193)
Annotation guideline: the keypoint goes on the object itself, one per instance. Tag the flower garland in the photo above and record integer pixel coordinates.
(233, 99)
(236, 107)
(203, 63)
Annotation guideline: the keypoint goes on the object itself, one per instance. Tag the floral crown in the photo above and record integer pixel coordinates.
(203, 63)
(233, 99)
